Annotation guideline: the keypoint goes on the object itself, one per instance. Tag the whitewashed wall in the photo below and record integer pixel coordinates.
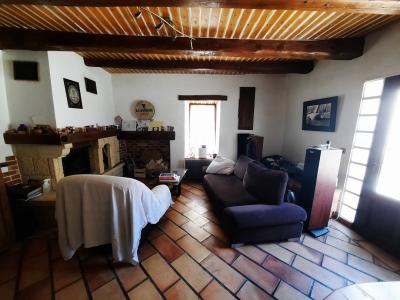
(338, 78)
(28, 98)
(5, 150)
(162, 90)
(97, 109)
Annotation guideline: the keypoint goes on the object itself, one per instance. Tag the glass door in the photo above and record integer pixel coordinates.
(365, 129)
(371, 197)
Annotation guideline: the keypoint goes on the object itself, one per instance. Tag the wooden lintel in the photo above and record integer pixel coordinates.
(341, 49)
(388, 7)
(202, 97)
(284, 67)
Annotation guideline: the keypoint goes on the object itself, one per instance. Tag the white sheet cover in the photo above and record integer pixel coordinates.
(93, 210)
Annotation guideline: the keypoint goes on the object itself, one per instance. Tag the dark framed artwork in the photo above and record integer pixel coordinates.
(91, 86)
(26, 70)
(73, 93)
(320, 115)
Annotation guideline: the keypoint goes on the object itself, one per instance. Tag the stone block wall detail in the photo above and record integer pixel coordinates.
(41, 161)
(45, 161)
(96, 154)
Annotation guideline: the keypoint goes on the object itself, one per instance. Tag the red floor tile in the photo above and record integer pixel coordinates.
(288, 274)
(168, 249)
(257, 274)
(97, 272)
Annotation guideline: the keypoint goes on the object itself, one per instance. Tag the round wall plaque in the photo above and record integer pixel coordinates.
(144, 110)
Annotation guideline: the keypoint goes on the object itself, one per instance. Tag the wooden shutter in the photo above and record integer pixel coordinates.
(246, 108)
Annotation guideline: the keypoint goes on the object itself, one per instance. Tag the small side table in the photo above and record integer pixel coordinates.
(197, 167)
(176, 186)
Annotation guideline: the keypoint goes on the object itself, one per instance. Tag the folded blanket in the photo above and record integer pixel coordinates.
(221, 165)
(93, 210)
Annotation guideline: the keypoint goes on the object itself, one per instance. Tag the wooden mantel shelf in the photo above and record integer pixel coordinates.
(57, 139)
(85, 137)
(146, 135)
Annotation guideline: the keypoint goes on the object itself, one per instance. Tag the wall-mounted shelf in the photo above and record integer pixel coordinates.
(146, 135)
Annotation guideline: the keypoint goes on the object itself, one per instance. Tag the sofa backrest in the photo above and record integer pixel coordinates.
(267, 186)
(241, 166)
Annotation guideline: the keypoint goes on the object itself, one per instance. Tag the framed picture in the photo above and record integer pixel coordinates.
(320, 115)
(91, 86)
(142, 125)
(73, 93)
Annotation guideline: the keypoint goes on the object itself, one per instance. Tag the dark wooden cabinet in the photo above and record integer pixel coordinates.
(321, 168)
(196, 168)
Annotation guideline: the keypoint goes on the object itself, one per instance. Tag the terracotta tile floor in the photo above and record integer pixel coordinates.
(186, 256)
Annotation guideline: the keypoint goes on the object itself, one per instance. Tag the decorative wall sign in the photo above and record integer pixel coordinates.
(73, 93)
(320, 115)
(144, 110)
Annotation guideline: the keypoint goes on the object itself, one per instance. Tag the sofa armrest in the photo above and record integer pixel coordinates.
(263, 215)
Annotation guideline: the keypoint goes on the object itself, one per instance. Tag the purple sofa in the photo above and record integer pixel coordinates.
(250, 204)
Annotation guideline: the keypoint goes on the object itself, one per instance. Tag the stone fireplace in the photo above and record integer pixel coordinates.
(39, 161)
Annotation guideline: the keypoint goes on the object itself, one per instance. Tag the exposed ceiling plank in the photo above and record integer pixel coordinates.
(389, 7)
(301, 67)
(69, 41)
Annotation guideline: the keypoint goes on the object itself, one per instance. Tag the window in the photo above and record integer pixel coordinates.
(202, 126)
(360, 151)
(387, 179)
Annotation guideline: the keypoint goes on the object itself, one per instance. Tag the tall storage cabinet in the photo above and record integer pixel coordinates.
(321, 168)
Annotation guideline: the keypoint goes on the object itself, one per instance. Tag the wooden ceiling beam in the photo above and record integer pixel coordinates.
(389, 7)
(83, 42)
(300, 67)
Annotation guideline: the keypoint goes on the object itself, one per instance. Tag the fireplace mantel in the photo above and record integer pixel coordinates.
(57, 139)
(84, 137)
(146, 135)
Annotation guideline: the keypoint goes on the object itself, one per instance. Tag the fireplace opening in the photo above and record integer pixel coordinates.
(106, 157)
(77, 161)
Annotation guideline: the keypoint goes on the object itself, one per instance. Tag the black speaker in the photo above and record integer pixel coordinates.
(250, 145)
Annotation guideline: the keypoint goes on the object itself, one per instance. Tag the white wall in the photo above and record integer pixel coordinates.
(338, 78)
(163, 90)
(28, 98)
(97, 109)
(5, 150)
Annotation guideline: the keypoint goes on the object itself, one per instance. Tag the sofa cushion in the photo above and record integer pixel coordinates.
(221, 165)
(262, 215)
(268, 186)
(227, 190)
(241, 166)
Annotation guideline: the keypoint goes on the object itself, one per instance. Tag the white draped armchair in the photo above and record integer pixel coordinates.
(93, 210)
